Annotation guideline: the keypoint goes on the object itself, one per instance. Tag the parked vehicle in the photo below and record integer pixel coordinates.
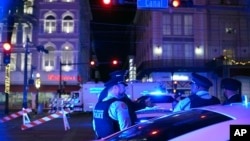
(210, 123)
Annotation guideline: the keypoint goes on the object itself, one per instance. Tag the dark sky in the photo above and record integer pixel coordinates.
(110, 29)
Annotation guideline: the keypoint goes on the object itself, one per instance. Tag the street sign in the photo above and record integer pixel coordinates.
(152, 4)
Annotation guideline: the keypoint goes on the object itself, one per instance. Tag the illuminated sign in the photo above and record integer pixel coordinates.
(64, 77)
(7, 79)
(180, 77)
(95, 90)
(152, 4)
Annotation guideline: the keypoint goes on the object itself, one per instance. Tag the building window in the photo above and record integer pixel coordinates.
(28, 6)
(13, 62)
(14, 35)
(68, 24)
(166, 25)
(50, 24)
(68, 0)
(188, 25)
(189, 51)
(167, 51)
(50, 0)
(26, 33)
(49, 59)
(67, 57)
(29, 58)
(176, 24)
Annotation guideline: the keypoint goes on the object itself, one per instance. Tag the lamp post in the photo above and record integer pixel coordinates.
(37, 85)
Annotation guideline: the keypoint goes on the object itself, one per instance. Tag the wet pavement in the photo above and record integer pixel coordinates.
(53, 130)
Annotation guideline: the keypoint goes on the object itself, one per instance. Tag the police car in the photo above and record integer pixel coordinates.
(210, 123)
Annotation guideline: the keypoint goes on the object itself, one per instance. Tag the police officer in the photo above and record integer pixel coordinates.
(199, 94)
(133, 106)
(111, 114)
(119, 75)
(231, 90)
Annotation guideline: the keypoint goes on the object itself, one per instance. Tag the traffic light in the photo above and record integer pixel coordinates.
(175, 3)
(114, 62)
(92, 63)
(181, 3)
(112, 2)
(107, 2)
(6, 53)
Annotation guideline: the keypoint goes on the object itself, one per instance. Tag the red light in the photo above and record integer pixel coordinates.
(176, 3)
(6, 46)
(106, 2)
(115, 62)
(154, 132)
(92, 63)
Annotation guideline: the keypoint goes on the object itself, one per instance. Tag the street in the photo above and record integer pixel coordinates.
(53, 130)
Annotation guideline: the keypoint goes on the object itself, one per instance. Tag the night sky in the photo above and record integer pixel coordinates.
(110, 34)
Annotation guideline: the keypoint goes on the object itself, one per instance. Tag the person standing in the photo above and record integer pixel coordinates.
(133, 106)
(199, 94)
(110, 115)
(231, 90)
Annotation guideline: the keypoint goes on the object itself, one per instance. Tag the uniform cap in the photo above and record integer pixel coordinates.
(118, 73)
(111, 83)
(201, 80)
(230, 84)
(119, 76)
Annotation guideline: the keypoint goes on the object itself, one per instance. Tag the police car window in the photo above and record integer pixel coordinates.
(170, 126)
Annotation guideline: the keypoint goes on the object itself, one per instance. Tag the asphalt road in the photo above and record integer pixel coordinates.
(53, 130)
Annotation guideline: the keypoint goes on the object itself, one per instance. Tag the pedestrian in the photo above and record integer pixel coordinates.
(110, 114)
(199, 94)
(231, 90)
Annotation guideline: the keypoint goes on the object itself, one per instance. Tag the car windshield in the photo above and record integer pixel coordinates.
(170, 126)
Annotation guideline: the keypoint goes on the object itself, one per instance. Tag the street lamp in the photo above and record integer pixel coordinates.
(37, 85)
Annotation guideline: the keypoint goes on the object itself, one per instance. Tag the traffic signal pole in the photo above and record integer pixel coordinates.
(25, 76)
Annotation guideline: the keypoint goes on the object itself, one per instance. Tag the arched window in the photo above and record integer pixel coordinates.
(49, 59)
(67, 57)
(28, 6)
(50, 24)
(68, 24)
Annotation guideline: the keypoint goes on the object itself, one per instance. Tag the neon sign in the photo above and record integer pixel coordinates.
(54, 77)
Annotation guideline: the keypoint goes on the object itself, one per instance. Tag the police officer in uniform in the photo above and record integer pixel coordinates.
(111, 114)
(199, 94)
(231, 90)
(132, 105)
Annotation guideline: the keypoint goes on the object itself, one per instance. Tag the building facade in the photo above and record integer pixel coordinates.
(61, 27)
(207, 37)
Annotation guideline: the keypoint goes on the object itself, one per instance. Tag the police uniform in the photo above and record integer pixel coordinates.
(232, 85)
(200, 98)
(111, 114)
(132, 105)
(119, 75)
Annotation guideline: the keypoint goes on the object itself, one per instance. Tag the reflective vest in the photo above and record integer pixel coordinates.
(104, 124)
